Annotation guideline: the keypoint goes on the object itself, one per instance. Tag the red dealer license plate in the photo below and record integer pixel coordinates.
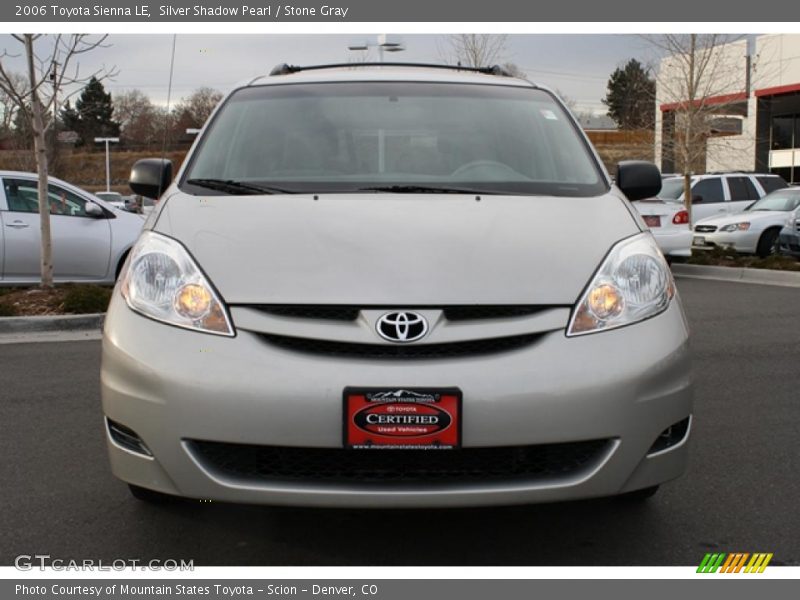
(402, 418)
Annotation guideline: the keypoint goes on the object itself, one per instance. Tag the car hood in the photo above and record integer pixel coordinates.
(395, 249)
(763, 217)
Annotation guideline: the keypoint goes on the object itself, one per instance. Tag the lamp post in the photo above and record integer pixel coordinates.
(383, 44)
(107, 140)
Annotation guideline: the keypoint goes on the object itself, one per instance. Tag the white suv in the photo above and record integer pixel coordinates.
(716, 194)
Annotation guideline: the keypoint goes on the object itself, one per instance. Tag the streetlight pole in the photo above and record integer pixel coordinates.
(382, 44)
(107, 140)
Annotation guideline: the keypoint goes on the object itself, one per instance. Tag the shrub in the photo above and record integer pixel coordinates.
(85, 299)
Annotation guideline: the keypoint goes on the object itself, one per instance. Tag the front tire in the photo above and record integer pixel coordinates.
(768, 243)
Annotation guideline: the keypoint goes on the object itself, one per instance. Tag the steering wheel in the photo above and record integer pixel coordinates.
(481, 164)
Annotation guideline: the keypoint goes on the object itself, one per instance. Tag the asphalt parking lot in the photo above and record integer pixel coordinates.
(740, 494)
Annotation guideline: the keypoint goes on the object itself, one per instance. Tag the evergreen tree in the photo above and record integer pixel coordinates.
(93, 114)
(631, 96)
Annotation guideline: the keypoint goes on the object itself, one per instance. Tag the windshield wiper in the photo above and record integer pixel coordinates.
(229, 185)
(422, 189)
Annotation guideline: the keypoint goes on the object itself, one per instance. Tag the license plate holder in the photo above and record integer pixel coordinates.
(402, 418)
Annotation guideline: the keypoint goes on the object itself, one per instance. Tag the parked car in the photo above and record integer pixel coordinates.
(139, 204)
(751, 231)
(356, 293)
(669, 224)
(115, 199)
(789, 238)
(717, 194)
(90, 237)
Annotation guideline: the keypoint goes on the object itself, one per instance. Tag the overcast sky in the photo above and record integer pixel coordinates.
(578, 65)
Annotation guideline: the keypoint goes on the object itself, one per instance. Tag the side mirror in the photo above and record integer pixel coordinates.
(696, 198)
(638, 179)
(150, 177)
(93, 210)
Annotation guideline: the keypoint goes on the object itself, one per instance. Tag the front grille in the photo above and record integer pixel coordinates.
(705, 228)
(310, 311)
(400, 351)
(469, 313)
(343, 312)
(398, 467)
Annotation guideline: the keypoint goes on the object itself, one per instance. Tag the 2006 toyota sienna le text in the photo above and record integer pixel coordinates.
(395, 287)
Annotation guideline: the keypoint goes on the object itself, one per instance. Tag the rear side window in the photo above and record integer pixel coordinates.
(710, 190)
(770, 184)
(742, 188)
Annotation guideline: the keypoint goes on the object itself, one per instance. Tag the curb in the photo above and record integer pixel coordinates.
(738, 275)
(16, 325)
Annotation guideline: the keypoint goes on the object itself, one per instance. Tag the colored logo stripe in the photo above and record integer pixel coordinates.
(711, 562)
(758, 563)
(734, 562)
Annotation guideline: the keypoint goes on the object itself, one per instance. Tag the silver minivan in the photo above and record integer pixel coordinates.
(395, 286)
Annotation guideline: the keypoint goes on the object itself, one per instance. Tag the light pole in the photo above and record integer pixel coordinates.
(107, 140)
(383, 44)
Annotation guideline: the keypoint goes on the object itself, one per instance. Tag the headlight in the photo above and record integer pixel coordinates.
(633, 284)
(161, 281)
(744, 226)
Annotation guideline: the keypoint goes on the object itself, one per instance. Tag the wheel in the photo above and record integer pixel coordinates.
(149, 496)
(641, 495)
(768, 243)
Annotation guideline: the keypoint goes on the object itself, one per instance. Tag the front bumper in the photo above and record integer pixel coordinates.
(744, 242)
(170, 385)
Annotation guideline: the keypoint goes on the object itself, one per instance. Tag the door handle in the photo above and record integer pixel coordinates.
(17, 225)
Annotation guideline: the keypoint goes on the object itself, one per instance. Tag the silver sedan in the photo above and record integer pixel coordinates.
(90, 237)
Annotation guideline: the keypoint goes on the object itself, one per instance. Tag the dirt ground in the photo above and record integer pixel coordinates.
(33, 301)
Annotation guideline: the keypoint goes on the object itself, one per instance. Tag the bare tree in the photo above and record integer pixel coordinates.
(140, 120)
(199, 105)
(474, 49)
(700, 78)
(8, 104)
(51, 68)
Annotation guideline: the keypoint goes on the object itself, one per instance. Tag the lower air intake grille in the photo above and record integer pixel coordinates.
(408, 351)
(382, 467)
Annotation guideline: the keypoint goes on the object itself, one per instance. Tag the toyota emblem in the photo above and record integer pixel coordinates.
(402, 326)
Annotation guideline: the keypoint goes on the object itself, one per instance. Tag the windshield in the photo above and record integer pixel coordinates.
(393, 137)
(671, 189)
(783, 200)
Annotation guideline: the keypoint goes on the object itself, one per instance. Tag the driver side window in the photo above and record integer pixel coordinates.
(22, 196)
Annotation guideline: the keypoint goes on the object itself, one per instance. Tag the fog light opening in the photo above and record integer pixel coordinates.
(127, 439)
(671, 436)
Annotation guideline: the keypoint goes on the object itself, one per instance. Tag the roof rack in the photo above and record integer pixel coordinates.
(285, 69)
